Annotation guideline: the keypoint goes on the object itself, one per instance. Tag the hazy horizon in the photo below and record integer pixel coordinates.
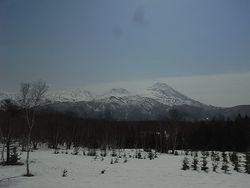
(217, 90)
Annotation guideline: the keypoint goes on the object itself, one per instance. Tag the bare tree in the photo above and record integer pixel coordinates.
(3, 146)
(2, 140)
(32, 96)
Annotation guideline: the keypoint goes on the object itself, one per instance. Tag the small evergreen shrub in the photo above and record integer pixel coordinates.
(125, 160)
(185, 164)
(236, 161)
(92, 152)
(75, 150)
(204, 162)
(112, 161)
(247, 163)
(113, 153)
(195, 163)
(224, 166)
(64, 174)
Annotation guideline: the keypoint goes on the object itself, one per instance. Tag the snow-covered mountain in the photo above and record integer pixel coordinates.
(119, 102)
(114, 92)
(165, 94)
(152, 103)
(160, 92)
(70, 96)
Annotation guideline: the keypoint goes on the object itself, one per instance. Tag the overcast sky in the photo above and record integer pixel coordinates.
(78, 43)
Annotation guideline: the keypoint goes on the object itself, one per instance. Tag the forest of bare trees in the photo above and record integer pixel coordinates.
(164, 136)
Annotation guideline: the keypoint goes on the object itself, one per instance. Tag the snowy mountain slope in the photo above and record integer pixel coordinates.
(152, 103)
(159, 92)
(71, 96)
(165, 94)
(114, 92)
(129, 108)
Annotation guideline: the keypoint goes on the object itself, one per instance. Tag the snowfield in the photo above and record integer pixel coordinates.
(85, 172)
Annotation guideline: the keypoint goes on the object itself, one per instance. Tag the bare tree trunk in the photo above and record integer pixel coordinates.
(8, 150)
(30, 126)
(55, 144)
(8, 143)
(28, 154)
(23, 144)
(2, 154)
(31, 97)
(175, 140)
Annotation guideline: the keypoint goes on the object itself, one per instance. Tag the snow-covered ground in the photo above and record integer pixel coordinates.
(85, 172)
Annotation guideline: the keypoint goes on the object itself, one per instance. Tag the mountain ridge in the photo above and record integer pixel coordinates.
(154, 102)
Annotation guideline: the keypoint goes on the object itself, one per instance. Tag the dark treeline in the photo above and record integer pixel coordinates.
(66, 129)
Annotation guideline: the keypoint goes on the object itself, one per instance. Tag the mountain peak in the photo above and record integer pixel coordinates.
(71, 96)
(165, 94)
(115, 92)
(161, 86)
(79, 94)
